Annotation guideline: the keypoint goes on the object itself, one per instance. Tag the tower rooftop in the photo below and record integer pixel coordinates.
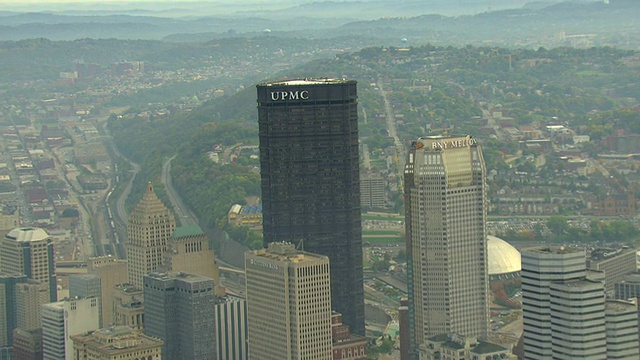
(306, 81)
(27, 234)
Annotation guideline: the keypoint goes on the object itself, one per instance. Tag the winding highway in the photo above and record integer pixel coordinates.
(185, 216)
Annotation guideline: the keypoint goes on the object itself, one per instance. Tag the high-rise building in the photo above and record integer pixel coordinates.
(111, 272)
(61, 320)
(310, 180)
(179, 310)
(8, 313)
(116, 342)
(148, 232)
(622, 330)
(30, 296)
(189, 252)
(288, 304)
(27, 344)
(445, 212)
(373, 192)
(29, 251)
(231, 328)
(563, 305)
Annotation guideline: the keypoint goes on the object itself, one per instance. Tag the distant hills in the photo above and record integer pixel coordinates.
(513, 23)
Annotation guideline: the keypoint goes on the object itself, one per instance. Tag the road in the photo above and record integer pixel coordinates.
(185, 216)
(399, 151)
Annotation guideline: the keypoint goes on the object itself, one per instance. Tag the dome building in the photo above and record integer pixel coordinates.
(503, 259)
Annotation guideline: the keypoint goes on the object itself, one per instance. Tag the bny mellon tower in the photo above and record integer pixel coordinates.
(310, 179)
(444, 192)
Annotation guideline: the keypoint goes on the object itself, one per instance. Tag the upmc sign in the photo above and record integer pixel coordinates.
(289, 95)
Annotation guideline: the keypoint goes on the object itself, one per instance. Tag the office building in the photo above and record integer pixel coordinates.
(310, 179)
(231, 328)
(622, 330)
(149, 229)
(614, 262)
(30, 296)
(61, 320)
(116, 342)
(189, 252)
(179, 310)
(446, 239)
(373, 192)
(27, 344)
(29, 251)
(127, 306)
(82, 286)
(8, 311)
(563, 305)
(288, 304)
(111, 272)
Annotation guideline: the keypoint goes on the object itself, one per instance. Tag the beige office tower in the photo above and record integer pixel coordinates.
(29, 251)
(445, 210)
(189, 252)
(117, 342)
(111, 272)
(30, 297)
(148, 232)
(288, 304)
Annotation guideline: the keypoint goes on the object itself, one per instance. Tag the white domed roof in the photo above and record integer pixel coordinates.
(503, 258)
(27, 234)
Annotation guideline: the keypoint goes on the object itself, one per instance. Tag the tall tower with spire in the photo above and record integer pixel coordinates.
(148, 232)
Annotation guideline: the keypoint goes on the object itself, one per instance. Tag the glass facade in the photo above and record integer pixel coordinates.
(310, 179)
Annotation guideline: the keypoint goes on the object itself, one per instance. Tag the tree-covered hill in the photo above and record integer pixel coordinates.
(563, 83)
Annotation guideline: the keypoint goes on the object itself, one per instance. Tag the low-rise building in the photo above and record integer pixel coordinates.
(458, 347)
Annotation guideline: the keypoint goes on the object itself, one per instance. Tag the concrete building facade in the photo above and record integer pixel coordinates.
(111, 272)
(373, 192)
(446, 238)
(310, 179)
(61, 320)
(231, 328)
(189, 252)
(288, 304)
(615, 263)
(29, 251)
(622, 330)
(179, 310)
(116, 342)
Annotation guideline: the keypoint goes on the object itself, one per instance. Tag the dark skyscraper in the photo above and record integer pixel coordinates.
(310, 179)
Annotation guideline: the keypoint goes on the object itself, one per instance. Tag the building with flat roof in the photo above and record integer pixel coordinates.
(116, 342)
(456, 347)
(346, 346)
(563, 305)
(615, 263)
(179, 310)
(310, 179)
(61, 320)
(288, 304)
(189, 252)
(149, 229)
(111, 272)
(231, 328)
(127, 306)
(29, 251)
(373, 194)
(622, 329)
(446, 238)
(8, 311)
